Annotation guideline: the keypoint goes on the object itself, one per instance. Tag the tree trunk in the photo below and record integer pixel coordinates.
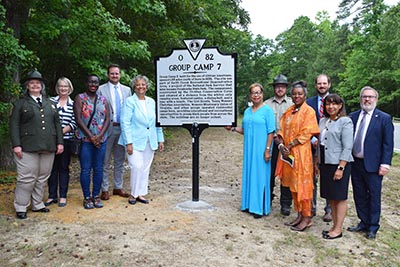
(17, 12)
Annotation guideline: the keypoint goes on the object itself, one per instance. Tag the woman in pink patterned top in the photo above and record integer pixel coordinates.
(92, 116)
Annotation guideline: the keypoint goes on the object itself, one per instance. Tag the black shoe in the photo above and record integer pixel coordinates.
(356, 229)
(327, 236)
(285, 211)
(49, 202)
(325, 232)
(257, 216)
(370, 235)
(142, 200)
(132, 200)
(42, 210)
(21, 215)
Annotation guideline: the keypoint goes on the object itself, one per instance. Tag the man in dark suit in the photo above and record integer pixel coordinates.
(115, 93)
(372, 152)
(322, 84)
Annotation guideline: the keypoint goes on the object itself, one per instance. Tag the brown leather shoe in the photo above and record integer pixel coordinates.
(120, 192)
(105, 195)
(327, 217)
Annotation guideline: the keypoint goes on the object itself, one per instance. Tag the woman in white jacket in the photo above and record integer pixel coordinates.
(140, 136)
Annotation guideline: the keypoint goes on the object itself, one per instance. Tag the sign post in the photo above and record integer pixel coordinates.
(196, 89)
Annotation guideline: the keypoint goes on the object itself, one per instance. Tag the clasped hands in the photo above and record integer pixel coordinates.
(96, 140)
(285, 150)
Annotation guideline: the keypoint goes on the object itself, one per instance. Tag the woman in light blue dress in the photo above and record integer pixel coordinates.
(258, 129)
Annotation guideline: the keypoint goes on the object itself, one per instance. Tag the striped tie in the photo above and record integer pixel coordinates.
(321, 108)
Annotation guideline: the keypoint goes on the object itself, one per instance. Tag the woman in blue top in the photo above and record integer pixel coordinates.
(140, 136)
(258, 128)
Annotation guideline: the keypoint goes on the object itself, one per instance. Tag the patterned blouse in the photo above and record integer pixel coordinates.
(66, 114)
(99, 117)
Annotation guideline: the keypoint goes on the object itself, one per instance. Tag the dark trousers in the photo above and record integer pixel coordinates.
(315, 194)
(367, 189)
(59, 178)
(286, 195)
(314, 200)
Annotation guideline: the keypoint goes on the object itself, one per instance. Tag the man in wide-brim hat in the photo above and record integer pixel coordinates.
(279, 103)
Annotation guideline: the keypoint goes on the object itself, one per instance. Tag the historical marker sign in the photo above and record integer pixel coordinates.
(196, 85)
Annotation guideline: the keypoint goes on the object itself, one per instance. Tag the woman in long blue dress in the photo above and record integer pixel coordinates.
(258, 128)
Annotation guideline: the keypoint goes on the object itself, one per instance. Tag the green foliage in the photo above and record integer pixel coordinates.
(372, 60)
(12, 56)
(7, 177)
(72, 38)
(83, 37)
(297, 47)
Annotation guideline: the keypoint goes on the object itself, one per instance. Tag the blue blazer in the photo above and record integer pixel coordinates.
(379, 140)
(313, 102)
(136, 127)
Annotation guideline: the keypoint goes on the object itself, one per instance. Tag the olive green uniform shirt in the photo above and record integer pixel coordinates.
(35, 128)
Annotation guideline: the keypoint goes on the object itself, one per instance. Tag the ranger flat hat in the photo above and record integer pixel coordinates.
(280, 79)
(34, 75)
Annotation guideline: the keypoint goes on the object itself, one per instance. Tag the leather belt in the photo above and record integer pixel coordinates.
(116, 124)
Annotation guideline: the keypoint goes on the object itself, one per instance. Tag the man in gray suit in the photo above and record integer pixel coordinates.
(115, 93)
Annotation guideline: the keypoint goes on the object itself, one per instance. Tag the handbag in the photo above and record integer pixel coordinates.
(75, 146)
(76, 143)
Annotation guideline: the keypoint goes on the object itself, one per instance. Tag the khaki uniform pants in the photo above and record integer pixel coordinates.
(33, 171)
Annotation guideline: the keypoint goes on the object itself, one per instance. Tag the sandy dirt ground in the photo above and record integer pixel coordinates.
(164, 234)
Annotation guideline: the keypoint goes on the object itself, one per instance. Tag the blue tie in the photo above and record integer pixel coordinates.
(117, 103)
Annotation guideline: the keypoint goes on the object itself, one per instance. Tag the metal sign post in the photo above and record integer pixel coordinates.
(195, 130)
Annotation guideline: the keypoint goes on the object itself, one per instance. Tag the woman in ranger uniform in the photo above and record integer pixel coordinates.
(36, 137)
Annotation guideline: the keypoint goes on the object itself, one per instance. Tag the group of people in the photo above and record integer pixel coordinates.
(109, 121)
(301, 141)
(296, 139)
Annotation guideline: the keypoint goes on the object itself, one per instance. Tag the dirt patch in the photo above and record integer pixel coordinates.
(161, 234)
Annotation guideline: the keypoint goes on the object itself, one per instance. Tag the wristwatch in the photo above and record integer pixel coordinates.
(341, 168)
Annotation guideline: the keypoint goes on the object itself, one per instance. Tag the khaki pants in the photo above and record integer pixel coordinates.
(33, 171)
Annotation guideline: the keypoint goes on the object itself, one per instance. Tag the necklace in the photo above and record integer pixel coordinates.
(295, 110)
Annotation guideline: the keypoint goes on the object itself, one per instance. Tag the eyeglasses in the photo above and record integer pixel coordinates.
(368, 96)
(93, 82)
(256, 93)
